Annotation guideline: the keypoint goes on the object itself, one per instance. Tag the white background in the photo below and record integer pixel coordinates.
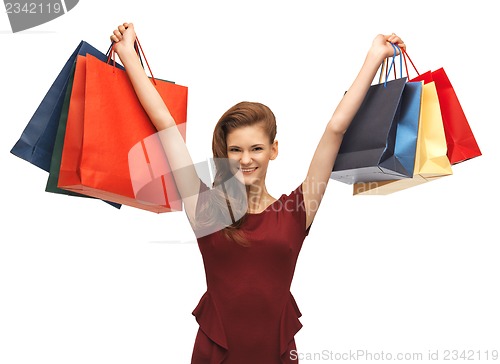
(82, 282)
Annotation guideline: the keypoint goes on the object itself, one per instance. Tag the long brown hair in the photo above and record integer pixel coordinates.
(240, 115)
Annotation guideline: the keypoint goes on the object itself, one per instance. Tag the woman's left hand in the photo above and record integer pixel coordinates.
(382, 44)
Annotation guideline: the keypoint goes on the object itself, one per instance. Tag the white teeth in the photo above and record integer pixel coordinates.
(248, 169)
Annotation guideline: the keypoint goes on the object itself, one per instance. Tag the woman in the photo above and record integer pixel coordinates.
(249, 246)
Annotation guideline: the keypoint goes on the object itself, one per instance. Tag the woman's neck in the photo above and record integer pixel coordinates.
(258, 198)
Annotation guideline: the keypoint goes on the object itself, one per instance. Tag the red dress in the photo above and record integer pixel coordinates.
(248, 315)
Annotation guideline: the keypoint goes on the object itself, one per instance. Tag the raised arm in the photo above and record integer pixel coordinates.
(184, 173)
(321, 166)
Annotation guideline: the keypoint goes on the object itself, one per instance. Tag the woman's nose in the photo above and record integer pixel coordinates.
(246, 159)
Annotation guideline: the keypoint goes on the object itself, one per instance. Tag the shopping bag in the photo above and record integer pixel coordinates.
(460, 139)
(106, 120)
(55, 163)
(36, 142)
(431, 161)
(369, 151)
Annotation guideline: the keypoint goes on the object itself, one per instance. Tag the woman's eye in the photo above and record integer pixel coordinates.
(234, 150)
(258, 148)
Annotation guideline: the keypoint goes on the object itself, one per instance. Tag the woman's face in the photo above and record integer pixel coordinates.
(250, 149)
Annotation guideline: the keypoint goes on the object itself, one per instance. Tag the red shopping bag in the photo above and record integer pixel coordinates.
(460, 139)
(105, 123)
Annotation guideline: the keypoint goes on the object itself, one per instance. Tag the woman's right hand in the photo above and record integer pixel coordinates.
(124, 37)
(382, 47)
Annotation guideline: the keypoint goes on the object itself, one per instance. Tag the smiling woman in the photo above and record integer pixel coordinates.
(249, 240)
(246, 134)
(243, 144)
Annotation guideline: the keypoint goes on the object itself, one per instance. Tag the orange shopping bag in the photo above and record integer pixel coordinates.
(105, 123)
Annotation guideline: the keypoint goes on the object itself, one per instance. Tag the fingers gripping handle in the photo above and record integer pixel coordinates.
(138, 48)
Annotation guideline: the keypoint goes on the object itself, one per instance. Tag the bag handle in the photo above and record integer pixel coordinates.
(149, 68)
(139, 50)
(136, 50)
(384, 65)
(396, 48)
(405, 55)
(383, 70)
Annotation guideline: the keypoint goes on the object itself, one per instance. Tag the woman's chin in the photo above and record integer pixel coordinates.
(250, 180)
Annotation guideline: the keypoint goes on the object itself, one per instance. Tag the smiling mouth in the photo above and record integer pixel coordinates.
(248, 170)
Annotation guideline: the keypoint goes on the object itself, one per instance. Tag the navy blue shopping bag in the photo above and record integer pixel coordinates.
(36, 143)
(380, 143)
